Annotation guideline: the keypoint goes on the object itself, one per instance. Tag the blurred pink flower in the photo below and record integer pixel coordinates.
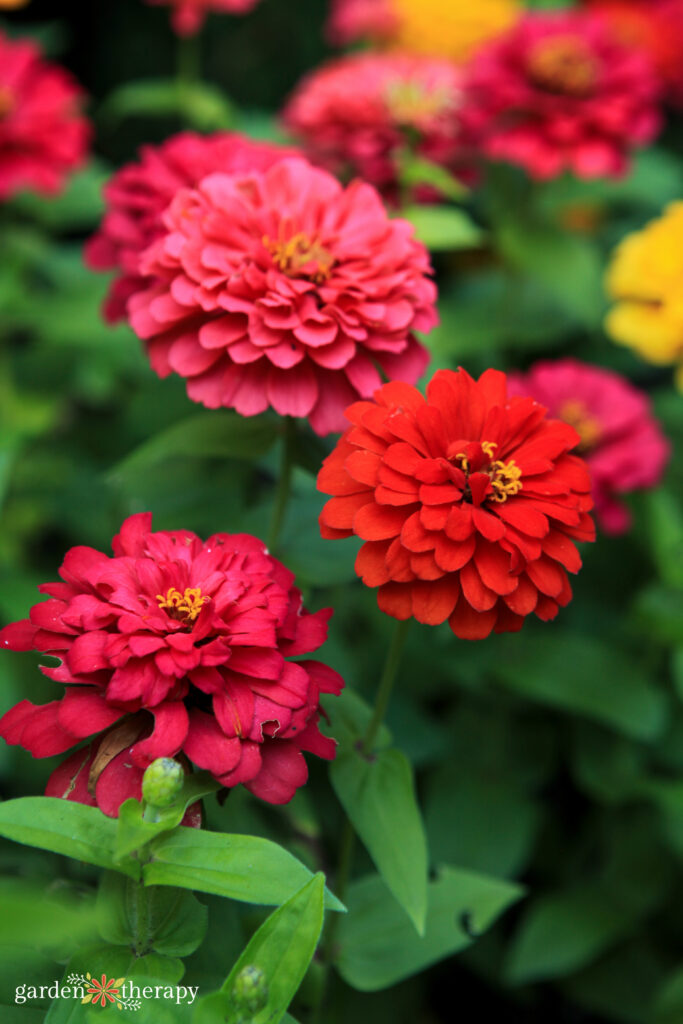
(282, 289)
(620, 439)
(360, 19)
(560, 93)
(137, 195)
(43, 135)
(359, 111)
(188, 15)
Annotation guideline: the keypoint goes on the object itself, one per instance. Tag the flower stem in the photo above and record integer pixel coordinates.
(189, 60)
(284, 484)
(386, 685)
(139, 910)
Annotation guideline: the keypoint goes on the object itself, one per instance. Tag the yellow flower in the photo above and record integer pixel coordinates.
(646, 281)
(451, 28)
(11, 5)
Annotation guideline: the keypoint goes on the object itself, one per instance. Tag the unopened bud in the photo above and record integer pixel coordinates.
(250, 989)
(162, 782)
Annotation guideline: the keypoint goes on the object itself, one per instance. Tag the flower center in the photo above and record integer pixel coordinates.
(301, 256)
(184, 607)
(410, 102)
(575, 413)
(563, 65)
(505, 477)
(6, 101)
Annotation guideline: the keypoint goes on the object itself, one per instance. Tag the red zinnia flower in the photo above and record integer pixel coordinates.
(284, 289)
(469, 503)
(43, 136)
(189, 15)
(559, 92)
(359, 111)
(620, 439)
(138, 194)
(174, 647)
(351, 20)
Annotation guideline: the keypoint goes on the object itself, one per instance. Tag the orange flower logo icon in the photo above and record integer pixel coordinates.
(103, 991)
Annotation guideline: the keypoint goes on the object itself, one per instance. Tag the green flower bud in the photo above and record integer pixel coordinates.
(250, 989)
(162, 782)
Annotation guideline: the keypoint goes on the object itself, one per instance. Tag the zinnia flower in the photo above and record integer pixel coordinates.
(359, 111)
(560, 93)
(43, 136)
(439, 28)
(174, 648)
(620, 439)
(189, 15)
(655, 27)
(468, 501)
(137, 195)
(284, 289)
(644, 280)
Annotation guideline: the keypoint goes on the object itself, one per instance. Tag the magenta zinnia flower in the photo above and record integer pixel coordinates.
(174, 648)
(351, 20)
(559, 93)
(359, 111)
(138, 194)
(620, 440)
(189, 15)
(43, 136)
(282, 289)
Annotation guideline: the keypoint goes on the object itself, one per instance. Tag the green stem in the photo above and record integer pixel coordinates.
(386, 685)
(284, 484)
(139, 897)
(189, 60)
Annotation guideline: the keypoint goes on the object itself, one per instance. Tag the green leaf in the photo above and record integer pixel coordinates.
(176, 920)
(244, 868)
(283, 947)
(65, 827)
(349, 717)
(77, 208)
(666, 534)
(658, 613)
(134, 831)
(377, 946)
(579, 673)
(378, 795)
(220, 434)
(443, 228)
(204, 106)
(415, 170)
(44, 917)
(564, 932)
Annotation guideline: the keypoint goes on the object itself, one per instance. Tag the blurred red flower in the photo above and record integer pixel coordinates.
(351, 20)
(468, 501)
(188, 15)
(560, 93)
(358, 112)
(137, 195)
(43, 135)
(282, 289)
(174, 647)
(621, 441)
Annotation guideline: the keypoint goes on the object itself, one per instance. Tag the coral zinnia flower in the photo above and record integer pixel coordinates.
(283, 289)
(43, 136)
(559, 92)
(174, 647)
(189, 15)
(645, 279)
(620, 440)
(468, 501)
(439, 28)
(138, 194)
(654, 27)
(360, 111)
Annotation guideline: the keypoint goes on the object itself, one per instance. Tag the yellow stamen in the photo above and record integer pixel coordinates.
(505, 480)
(186, 606)
(563, 64)
(301, 256)
(575, 413)
(410, 102)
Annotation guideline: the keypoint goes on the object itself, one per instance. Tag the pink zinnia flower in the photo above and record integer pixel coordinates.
(174, 648)
(359, 111)
(351, 20)
(189, 15)
(43, 136)
(282, 289)
(138, 194)
(620, 440)
(560, 93)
